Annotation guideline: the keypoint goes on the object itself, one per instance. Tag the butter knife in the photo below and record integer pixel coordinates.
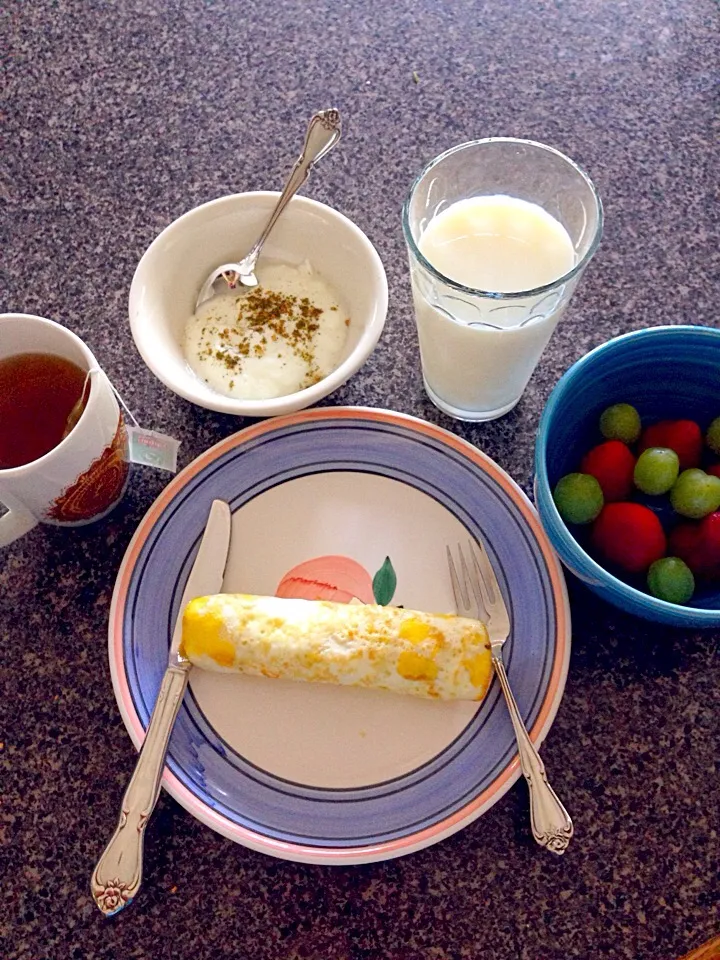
(118, 874)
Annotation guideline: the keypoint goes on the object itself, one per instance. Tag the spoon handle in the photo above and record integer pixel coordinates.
(323, 133)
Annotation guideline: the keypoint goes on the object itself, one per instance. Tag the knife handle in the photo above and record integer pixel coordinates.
(549, 820)
(118, 873)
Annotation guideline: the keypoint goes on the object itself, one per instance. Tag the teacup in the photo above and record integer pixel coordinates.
(84, 474)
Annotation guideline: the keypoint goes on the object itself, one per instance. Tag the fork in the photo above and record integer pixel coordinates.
(551, 825)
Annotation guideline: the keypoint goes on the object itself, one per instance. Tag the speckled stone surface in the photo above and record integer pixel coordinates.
(119, 117)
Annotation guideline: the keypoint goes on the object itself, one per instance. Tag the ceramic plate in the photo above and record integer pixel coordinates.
(343, 503)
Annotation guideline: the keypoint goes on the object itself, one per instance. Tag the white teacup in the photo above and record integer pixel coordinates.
(84, 475)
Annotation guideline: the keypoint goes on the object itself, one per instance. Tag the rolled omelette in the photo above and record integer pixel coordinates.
(440, 656)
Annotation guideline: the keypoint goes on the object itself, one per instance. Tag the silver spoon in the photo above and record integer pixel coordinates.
(323, 133)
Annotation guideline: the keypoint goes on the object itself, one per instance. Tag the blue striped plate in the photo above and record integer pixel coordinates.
(342, 503)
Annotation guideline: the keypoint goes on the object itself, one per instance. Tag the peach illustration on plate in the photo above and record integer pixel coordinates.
(340, 579)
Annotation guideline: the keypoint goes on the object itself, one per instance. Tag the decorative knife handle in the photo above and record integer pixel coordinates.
(118, 874)
(550, 822)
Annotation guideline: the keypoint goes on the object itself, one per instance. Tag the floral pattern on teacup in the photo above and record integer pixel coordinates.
(98, 488)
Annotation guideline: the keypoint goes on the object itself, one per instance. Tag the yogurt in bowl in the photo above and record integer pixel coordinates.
(276, 339)
(310, 242)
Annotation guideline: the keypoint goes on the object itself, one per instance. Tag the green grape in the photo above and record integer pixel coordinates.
(712, 437)
(695, 494)
(578, 498)
(671, 579)
(656, 470)
(620, 422)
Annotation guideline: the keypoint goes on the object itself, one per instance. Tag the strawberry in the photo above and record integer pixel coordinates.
(683, 436)
(710, 533)
(612, 464)
(685, 543)
(629, 535)
(698, 544)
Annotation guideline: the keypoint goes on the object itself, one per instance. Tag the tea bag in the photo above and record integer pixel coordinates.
(149, 447)
(152, 449)
(78, 408)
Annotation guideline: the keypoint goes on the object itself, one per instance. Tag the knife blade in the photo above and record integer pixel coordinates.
(208, 570)
(117, 876)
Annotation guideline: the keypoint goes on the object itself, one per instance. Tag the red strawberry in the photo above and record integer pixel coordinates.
(629, 535)
(612, 464)
(710, 526)
(685, 543)
(683, 436)
(698, 544)
(710, 533)
(713, 470)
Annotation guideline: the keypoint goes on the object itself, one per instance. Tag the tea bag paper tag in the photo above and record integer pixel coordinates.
(152, 449)
(148, 447)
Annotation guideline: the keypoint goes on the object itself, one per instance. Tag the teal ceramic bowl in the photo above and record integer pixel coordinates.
(665, 372)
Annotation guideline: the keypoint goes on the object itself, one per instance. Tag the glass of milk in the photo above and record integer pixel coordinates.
(499, 232)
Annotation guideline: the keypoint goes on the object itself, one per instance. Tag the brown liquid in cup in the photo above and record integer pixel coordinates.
(41, 398)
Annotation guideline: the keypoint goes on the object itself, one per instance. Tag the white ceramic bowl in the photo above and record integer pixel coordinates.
(172, 269)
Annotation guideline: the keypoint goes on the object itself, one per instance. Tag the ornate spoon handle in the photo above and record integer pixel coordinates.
(550, 822)
(323, 132)
(118, 874)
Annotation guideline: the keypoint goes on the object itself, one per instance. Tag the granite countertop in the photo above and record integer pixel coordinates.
(121, 116)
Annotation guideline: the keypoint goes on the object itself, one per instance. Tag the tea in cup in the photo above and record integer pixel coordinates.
(63, 446)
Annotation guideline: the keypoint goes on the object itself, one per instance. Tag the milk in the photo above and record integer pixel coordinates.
(478, 353)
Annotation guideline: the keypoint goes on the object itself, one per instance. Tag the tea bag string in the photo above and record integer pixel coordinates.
(86, 381)
(120, 400)
(79, 405)
(148, 447)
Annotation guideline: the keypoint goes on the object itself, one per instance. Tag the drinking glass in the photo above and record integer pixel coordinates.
(479, 348)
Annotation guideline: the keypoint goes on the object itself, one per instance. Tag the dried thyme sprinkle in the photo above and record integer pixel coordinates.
(275, 317)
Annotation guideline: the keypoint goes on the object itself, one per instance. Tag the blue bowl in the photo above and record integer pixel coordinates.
(665, 372)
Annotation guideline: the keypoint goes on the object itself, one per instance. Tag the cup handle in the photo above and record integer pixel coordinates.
(15, 523)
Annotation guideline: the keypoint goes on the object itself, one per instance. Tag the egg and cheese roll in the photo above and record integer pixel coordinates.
(428, 655)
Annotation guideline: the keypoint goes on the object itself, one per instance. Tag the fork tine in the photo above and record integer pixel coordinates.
(484, 568)
(462, 600)
(475, 582)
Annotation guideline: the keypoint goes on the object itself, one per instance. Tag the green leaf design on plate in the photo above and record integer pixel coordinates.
(384, 583)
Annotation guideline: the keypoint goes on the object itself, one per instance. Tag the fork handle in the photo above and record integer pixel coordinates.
(550, 822)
